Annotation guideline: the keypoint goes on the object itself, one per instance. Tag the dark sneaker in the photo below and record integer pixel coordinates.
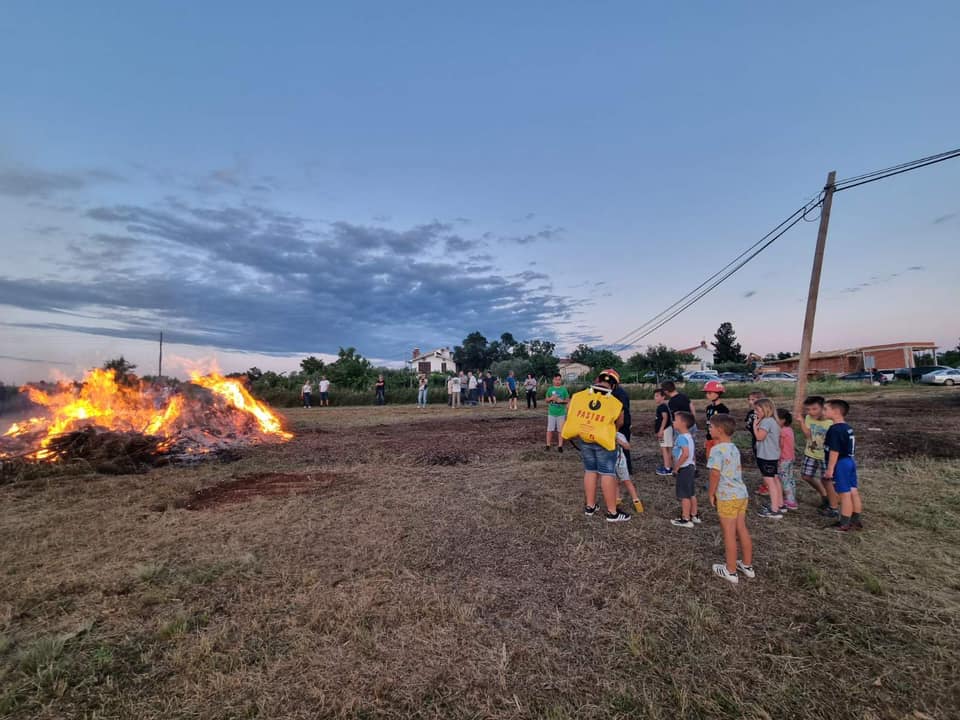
(547, 448)
(682, 522)
(560, 449)
(858, 525)
(590, 511)
(842, 527)
(664, 471)
(618, 516)
(770, 514)
(829, 512)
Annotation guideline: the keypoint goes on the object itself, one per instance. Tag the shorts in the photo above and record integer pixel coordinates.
(667, 440)
(598, 459)
(686, 482)
(845, 475)
(812, 467)
(555, 423)
(730, 509)
(768, 468)
(513, 394)
(324, 396)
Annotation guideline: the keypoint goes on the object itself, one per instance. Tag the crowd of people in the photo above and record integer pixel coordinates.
(598, 418)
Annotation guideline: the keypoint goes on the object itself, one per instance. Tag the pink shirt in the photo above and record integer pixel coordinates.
(787, 450)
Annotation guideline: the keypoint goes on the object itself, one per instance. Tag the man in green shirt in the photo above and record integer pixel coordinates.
(557, 398)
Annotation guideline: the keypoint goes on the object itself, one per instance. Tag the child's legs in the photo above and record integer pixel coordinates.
(685, 511)
(665, 452)
(590, 488)
(608, 484)
(776, 492)
(693, 506)
(831, 493)
(631, 488)
(846, 504)
(788, 482)
(857, 502)
(743, 535)
(729, 528)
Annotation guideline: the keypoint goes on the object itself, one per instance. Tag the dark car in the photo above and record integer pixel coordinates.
(731, 377)
(917, 372)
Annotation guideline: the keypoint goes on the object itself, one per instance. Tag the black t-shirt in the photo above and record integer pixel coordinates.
(840, 439)
(713, 410)
(662, 411)
(488, 383)
(620, 394)
(751, 418)
(678, 403)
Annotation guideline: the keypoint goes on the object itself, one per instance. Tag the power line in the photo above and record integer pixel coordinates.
(630, 339)
(719, 277)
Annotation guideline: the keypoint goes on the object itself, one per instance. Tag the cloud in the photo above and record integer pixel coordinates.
(547, 233)
(455, 243)
(247, 277)
(750, 293)
(944, 218)
(30, 182)
(32, 360)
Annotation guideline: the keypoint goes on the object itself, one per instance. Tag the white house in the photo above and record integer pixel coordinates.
(439, 361)
(704, 357)
(571, 370)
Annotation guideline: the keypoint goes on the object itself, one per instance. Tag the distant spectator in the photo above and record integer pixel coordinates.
(512, 387)
(306, 393)
(530, 385)
(490, 388)
(455, 391)
(422, 391)
(463, 387)
(472, 388)
(324, 390)
(381, 390)
(557, 398)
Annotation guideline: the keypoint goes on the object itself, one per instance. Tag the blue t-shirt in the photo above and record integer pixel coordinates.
(840, 439)
(680, 442)
(512, 383)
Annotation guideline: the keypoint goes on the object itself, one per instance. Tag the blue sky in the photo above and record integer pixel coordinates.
(263, 182)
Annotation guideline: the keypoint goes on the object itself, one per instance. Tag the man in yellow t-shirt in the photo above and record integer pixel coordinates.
(815, 426)
(594, 416)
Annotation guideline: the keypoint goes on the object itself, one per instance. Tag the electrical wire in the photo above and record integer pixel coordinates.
(853, 182)
(629, 339)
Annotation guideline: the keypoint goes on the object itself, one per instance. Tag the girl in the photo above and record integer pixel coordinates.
(530, 384)
(767, 432)
(787, 454)
(422, 392)
(623, 474)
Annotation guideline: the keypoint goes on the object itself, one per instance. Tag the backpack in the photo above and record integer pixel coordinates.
(591, 416)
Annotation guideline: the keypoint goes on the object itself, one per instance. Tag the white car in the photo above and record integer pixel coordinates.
(941, 377)
(777, 377)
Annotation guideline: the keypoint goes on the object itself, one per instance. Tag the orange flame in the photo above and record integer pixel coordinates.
(101, 402)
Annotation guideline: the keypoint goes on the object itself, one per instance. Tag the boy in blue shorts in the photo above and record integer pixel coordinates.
(840, 445)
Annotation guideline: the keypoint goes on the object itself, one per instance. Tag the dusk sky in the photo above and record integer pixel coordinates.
(264, 181)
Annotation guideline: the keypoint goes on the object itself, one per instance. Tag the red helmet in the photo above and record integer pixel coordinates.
(714, 386)
(609, 375)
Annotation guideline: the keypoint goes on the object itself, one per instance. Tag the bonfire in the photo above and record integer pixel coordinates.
(118, 425)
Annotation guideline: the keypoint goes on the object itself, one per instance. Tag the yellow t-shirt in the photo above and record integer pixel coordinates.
(592, 416)
(818, 433)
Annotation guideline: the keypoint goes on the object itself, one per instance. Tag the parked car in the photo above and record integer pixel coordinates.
(949, 376)
(777, 377)
(700, 377)
(918, 372)
(866, 375)
(732, 377)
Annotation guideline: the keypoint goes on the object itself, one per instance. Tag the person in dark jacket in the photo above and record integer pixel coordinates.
(613, 378)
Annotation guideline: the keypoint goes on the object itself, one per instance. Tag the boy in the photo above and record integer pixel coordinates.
(840, 445)
(489, 388)
(750, 422)
(663, 427)
(512, 387)
(729, 495)
(713, 390)
(679, 402)
(623, 472)
(557, 398)
(684, 467)
(324, 391)
(815, 426)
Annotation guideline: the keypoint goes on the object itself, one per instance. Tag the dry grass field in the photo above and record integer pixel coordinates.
(396, 563)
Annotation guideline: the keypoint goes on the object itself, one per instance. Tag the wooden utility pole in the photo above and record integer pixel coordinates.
(160, 362)
(812, 294)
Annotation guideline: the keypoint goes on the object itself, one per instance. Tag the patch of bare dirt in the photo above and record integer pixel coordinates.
(249, 487)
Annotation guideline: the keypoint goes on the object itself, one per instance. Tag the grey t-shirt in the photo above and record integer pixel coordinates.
(769, 447)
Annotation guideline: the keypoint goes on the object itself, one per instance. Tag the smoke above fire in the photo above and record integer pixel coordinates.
(209, 413)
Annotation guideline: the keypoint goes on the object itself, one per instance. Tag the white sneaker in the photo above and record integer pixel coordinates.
(696, 519)
(746, 569)
(720, 570)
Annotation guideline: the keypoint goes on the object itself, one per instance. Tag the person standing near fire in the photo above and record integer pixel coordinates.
(306, 394)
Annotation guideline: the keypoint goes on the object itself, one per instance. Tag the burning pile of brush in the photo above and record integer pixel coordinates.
(124, 426)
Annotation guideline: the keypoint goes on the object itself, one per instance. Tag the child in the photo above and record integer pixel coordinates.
(623, 473)
(750, 422)
(663, 427)
(787, 454)
(840, 444)
(729, 495)
(684, 468)
(713, 390)
(767, 431)
(815, 426)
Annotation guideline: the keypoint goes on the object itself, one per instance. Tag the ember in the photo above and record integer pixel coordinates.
(140, 420)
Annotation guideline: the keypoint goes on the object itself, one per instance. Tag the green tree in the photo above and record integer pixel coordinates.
(659, 360)
(726, 349)
(543, 361)
(502, 368)
(597, 359)
(311, 365)
(121, 368)
(254, 374)
(473, 354)
(351, 370)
